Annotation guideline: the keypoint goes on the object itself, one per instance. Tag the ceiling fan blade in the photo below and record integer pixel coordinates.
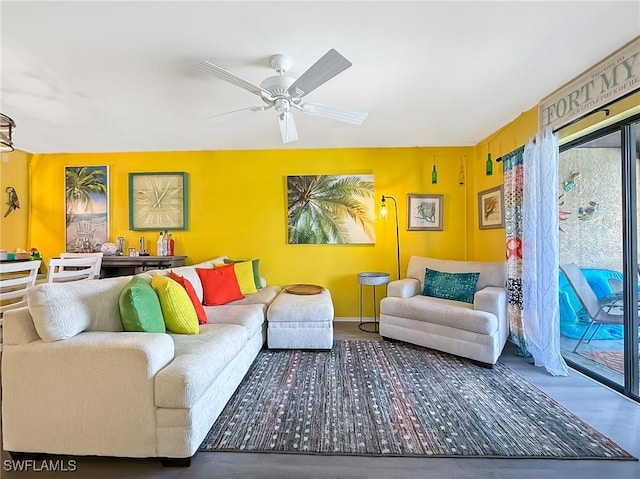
(287, 127)
(348, 116)
(222, 74)
(251, 108)
(320, 72)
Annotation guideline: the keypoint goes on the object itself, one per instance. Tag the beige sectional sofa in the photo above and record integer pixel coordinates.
(75, 383)
(477, 330)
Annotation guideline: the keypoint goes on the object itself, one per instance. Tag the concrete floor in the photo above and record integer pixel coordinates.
(607, 411)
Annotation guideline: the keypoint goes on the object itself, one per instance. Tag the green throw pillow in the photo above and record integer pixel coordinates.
(140, 307)
(456, 286)
(255, 264)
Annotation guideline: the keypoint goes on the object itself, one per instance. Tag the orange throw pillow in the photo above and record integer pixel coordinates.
(219, 285)
(188, 287)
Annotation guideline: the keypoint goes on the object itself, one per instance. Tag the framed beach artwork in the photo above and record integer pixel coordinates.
(491, 208)
(330, 209)
(424, 212)
(87, 207)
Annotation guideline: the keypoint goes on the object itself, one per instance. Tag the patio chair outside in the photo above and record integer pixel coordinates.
(599, 313)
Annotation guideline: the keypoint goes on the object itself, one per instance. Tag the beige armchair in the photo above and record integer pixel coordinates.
(477, 330)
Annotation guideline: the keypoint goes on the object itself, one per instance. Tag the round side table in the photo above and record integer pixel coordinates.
(372, 279)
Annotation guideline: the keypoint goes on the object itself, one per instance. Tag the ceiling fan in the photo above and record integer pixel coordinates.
(285, 93)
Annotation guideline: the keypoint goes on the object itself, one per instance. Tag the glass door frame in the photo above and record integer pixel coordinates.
(629, 175)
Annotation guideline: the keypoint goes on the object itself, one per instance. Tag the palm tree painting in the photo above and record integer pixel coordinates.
(87, 207)
(329, 209)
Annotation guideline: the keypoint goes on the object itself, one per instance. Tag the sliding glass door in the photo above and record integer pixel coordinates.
(598, 211)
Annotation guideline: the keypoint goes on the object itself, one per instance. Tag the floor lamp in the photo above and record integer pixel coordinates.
(383, 215)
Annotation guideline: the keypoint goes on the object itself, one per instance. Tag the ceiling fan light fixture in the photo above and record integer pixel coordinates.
(277, 85)
(7, 125)
(286, 93)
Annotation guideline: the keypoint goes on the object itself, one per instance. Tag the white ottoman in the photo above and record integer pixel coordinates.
(298, 321)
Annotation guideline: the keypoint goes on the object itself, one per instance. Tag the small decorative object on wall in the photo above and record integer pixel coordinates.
(563, 215)
(491, 208)
(489, 164)
(87, 207)
(158, 201)
(330, 209)
(572, 181)
(13, 202)
(424, 212)
(585, 213)
(434, 173)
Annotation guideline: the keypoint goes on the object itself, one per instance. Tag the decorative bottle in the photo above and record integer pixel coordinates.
(160, 245)
(489, 166)
(165, 244)
(172, 245)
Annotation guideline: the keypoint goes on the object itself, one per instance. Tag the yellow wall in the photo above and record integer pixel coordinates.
(238, 208)
(238, 204)
(14, 171)
(488, 245)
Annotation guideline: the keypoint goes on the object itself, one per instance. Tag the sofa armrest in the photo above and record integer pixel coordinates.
(403, 288)
(492, 299)
(18, 327)
(76, 395)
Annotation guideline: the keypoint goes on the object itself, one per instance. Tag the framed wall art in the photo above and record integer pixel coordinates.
(491, 208)
(158, 201)
(86, 190)
(330, 209)
(424, 212)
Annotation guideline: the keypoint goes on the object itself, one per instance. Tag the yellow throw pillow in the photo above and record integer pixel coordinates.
(244, 275)
(177, 309)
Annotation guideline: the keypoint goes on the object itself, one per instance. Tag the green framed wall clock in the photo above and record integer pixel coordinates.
(158, 201)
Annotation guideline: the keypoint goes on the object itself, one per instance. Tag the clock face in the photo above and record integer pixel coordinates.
(157, 201)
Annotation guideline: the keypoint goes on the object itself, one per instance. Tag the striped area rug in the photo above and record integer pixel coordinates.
(385, 398)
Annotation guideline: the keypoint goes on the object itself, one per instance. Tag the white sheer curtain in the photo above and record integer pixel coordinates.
(540, 252)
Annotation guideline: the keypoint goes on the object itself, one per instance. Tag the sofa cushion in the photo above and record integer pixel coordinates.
(177, 309)
(249, 316)
(266, 295)
(244, 276)
(455, 314)
(62, 310)
(189, 272)
(219, 285)
(197, 363)
(491, 273)
(255, 265)
(456, 286)
(188, 287)
(140, 307)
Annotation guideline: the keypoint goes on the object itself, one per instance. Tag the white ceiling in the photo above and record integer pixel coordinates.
(117, 76)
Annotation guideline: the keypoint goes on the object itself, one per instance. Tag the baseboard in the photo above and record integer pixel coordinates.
(351, 319)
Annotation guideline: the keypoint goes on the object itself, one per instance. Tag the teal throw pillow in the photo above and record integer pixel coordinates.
(255, 264)
(456, 286)
(140, 307)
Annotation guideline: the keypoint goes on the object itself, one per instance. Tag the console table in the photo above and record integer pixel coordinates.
(129, 265)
